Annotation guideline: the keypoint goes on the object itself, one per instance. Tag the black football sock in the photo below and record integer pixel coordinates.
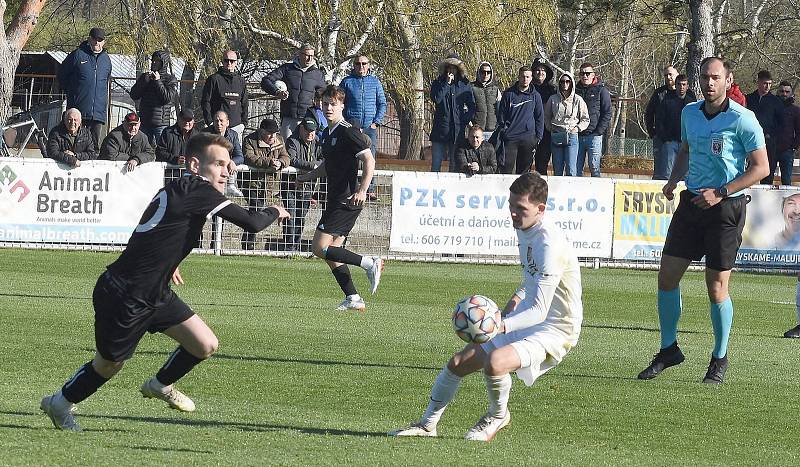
(178, 364)
(342, 275)
(340, 255)
(85, 382)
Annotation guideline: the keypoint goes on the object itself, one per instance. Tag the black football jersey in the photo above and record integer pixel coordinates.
(339, 149)
(170, 227)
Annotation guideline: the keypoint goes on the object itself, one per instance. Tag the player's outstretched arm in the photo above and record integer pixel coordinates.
(252, 221)
(319, 171)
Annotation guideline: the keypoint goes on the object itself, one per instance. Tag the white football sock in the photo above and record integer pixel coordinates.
(366, 262)
(443, 391)
(355, 297)
(797, 300)
(498, 388)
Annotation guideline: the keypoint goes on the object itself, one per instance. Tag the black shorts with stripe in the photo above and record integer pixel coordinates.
(715, 233)
(338, 219)
(120, 320)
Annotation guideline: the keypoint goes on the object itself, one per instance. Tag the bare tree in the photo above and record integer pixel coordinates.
(17, 32)
(701, 44)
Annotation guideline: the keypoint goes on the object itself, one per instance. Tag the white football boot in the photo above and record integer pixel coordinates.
(62, 417)
(487, 427)
(415, 429)
(350, 304)
(176, 399)
(374, 274)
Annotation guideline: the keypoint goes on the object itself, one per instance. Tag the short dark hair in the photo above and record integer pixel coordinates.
(681, 77)
(586, 65)
(531, 184)
(199, 143)
(725, 64)
(523, 69)
(785, 83)
(764, 75)
(334, 92)
(474, 128)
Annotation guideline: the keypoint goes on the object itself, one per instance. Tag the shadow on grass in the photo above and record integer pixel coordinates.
(255, 427)
(646, 329)
(305, 361)
(163, 449)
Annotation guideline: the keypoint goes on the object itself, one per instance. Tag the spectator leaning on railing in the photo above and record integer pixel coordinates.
(157, 92)
(221, 126)
(84, 76)
(263, 150)
(127, 143)
(69, 142)
(171, 145)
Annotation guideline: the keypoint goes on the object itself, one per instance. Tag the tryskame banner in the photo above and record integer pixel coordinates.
(772, 231)
(42, 201)
(771, 235)
(455, 214)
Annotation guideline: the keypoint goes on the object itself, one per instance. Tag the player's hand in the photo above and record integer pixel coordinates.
(358, 198)
(283, 95)
(176, 277)
(707, 198)
(668, 190)
(131, 165)
(282, 212)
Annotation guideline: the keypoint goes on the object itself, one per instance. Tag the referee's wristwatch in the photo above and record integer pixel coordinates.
(722, 191)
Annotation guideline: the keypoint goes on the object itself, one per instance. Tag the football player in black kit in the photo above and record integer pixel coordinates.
(133, 295)
(343, 146)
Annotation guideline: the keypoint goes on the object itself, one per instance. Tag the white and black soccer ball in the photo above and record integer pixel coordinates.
(280, 86)
(476, 319)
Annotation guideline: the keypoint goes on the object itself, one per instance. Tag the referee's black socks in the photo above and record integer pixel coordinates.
(85, 382)
(178, 364)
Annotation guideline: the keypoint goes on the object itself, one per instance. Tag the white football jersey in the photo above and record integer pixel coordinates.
(551, 284)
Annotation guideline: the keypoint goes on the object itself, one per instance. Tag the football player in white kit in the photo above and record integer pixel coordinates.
(542, 320)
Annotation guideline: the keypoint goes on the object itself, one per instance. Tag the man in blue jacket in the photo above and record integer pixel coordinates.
(84, 76)
(521, 116)
(365, 101)
(454, 103)
(598, 100)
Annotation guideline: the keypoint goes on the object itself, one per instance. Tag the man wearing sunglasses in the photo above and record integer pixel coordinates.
(225, 91)
(598, 100)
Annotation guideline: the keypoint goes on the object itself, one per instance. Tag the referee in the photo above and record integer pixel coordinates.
(722, 153)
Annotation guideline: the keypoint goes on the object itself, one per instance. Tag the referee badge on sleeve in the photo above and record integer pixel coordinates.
(717, 143)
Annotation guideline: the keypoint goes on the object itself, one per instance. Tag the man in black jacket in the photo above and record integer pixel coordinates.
(305, 152)
(303, 79)
(127, 143)
(663, 119)
(226, 90)
(157, 93)
(70, 142)
(598, 100)
(769, 111)
(543, 83)
(475, 155)
(171, 146)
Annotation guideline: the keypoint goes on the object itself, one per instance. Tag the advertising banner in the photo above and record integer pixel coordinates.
(456, 214)
(641, 218)
(772, 232)
(98, 202)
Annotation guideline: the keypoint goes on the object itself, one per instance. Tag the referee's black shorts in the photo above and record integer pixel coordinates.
(338, 219)
(120, 320)
(715, 233)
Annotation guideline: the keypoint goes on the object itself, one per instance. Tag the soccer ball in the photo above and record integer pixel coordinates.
(476, 319)
(280, 86)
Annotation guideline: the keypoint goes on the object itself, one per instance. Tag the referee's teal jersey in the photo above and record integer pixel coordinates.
(718, 147)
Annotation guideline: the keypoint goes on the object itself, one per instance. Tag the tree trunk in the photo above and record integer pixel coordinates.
(11, 44)
(702, 40)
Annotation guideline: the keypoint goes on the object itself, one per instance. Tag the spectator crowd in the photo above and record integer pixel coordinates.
(478, 126)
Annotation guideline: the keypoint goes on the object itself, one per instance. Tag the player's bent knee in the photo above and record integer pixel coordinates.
(107, 368)
(208, 348)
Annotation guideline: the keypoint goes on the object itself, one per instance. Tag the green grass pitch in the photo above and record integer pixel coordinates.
(296, 383)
